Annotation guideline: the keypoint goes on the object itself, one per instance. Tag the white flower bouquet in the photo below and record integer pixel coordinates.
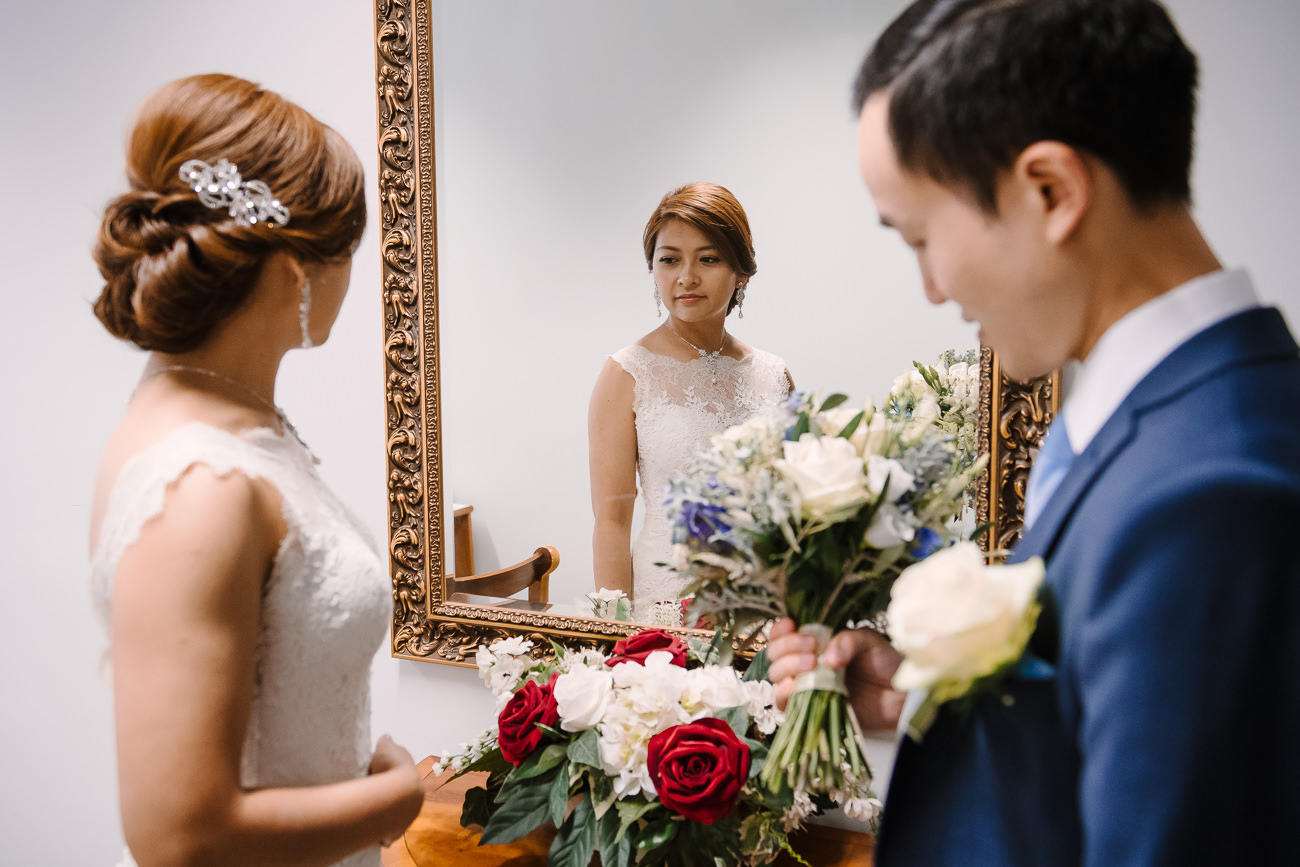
(811, 512)
(648, 756)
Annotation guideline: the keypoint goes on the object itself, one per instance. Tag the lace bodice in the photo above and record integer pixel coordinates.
(678, 406)
(325, 606)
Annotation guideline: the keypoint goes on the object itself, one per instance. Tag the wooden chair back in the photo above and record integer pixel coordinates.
(533, 574)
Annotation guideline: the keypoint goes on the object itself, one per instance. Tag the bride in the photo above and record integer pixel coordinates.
(656, 402)
(243, 602)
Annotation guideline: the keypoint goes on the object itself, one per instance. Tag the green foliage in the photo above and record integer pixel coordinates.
(576, 841)
(586, 749)
(527, 806)
(477, 809)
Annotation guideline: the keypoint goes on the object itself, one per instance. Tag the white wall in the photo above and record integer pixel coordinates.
(73, 72)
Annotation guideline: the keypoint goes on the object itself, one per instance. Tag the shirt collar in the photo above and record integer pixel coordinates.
(1133, 346)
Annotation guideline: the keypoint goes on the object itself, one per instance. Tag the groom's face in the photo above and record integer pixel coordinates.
(991, 265)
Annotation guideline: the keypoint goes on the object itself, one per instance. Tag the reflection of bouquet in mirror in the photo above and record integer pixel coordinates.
(606, 604)
(811, 511)
(648, 756)
(946, 395)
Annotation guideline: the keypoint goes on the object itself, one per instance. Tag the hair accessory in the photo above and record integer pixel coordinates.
(659, 303)
(304, 313)
(740, 301)
(220, 186)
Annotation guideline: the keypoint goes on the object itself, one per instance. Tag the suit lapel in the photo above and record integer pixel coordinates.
(1250, 337)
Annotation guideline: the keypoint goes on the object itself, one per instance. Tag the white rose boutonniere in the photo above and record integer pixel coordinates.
(959, 622)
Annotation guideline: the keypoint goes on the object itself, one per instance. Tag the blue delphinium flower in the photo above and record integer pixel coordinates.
(925, 543)
(702, 520)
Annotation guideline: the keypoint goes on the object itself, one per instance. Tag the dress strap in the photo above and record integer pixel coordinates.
(140, 491)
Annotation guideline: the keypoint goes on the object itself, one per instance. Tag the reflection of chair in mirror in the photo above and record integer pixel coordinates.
(533, 574)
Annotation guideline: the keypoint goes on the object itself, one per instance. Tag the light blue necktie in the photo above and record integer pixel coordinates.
(1050, 466)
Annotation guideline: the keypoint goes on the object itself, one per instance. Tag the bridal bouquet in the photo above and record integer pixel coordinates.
(811, 511)
(648, 756)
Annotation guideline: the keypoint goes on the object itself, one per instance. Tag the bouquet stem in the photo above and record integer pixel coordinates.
(818, 749)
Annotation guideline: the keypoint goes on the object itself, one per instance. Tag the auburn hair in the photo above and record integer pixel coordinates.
(713, 210)
(174, 268)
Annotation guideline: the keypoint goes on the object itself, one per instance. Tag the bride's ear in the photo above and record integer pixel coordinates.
(283, 275)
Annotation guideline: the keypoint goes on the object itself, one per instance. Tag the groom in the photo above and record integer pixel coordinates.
(1036, 156)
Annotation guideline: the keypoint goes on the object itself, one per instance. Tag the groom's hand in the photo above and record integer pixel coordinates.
(869, 662)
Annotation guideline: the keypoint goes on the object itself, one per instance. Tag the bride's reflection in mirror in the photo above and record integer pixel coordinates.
(657, 401)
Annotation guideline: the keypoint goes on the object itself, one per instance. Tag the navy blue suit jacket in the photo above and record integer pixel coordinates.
(1168, 731)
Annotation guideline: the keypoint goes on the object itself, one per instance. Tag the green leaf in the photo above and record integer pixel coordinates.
(758, 667)
(586, 749)
(736, 717)
(852, 426)
(539, 763)
(657, 833)
(757, 755)
(477, 809)
(576, 842)
(557, 797)
(833, 401)
(632, 811)
(615, 845)
(801, 427)
(525, 809)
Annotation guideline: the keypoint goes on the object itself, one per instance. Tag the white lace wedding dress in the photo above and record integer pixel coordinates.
(325, 605)
(678, 406)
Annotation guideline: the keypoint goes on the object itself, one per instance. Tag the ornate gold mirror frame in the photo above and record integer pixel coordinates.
(1013, 416)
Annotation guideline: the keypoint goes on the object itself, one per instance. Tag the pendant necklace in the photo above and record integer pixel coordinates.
(710, 358)
(243, 389)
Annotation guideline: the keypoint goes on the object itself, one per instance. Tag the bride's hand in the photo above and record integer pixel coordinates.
(389, 756)
(396, 762)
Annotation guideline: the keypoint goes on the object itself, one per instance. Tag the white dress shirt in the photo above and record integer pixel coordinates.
(1145, 336)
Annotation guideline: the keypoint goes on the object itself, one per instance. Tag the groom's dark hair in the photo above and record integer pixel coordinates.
(972, 83)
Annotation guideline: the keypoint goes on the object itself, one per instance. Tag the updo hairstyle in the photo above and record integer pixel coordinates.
(714, 211)
(174, 268)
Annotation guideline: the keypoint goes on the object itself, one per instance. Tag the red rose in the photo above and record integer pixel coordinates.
(517, 731)
(635, 648)
(698, 768)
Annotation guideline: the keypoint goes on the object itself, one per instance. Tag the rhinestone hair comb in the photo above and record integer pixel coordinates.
(221, 186)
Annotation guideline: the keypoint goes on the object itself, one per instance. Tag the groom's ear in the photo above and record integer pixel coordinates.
(1055, 182)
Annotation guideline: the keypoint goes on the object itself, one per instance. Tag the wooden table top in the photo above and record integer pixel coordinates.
(436, 838)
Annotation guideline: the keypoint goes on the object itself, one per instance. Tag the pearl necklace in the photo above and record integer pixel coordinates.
(243, 389)
(710, 358)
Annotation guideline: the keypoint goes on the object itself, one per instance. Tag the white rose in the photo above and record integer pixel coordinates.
(910, 380)
(926, 409)
(874, 434)
(888, 528)
(582, 696)
(880, 470)
(826, 473)
(832, 421)
(869, 437)
(955, 619)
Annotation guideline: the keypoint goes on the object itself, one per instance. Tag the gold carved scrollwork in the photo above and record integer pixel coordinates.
(1013, 418)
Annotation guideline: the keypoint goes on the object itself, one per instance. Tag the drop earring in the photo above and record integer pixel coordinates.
(659, 303)
(304, 314)
(740, 301)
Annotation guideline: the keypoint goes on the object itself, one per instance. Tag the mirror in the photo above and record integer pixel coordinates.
(512, 270)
